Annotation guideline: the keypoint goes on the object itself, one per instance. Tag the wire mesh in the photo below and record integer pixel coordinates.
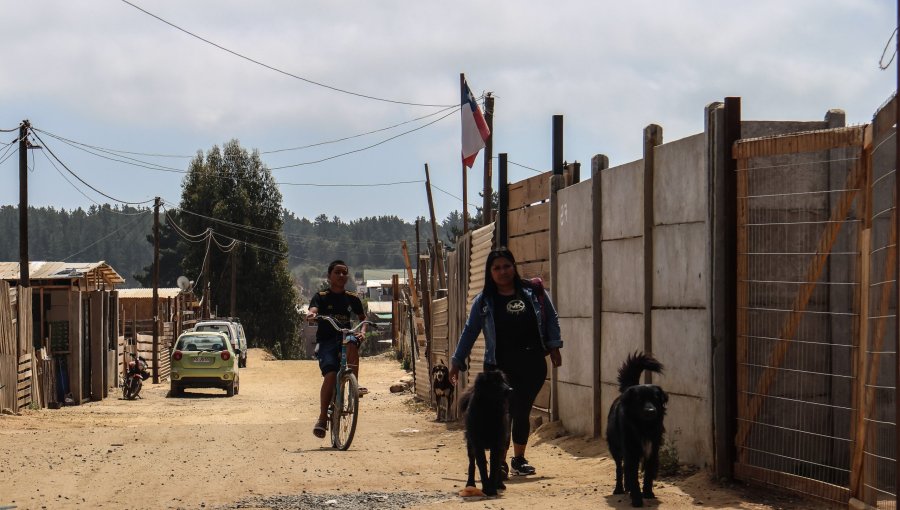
(877, 414)
(799, 311)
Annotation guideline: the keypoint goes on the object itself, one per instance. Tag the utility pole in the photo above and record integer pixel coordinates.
(437, 244)
(465, 184)
(206, 305)
(233, 310)
(155, 304)
(24, 277)
(488, 160)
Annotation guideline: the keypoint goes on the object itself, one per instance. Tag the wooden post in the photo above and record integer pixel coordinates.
(155, 299)
(409, 277)
(502, 238)
(233, 309)
(598, 164)
(395, 311)
(488, 159)
(24, 277)
(557, 182)
(434, 235)
(652, 138)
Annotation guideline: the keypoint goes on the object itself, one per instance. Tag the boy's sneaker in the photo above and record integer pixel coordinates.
(520, 466)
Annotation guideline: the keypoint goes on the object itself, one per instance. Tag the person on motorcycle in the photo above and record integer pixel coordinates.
(342, 305)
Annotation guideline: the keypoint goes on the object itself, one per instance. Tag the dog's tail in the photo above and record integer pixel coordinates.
(630, 373)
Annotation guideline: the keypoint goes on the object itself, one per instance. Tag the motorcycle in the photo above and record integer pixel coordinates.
(135, 376)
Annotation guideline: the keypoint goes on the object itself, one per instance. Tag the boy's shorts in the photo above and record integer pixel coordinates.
(328, 352)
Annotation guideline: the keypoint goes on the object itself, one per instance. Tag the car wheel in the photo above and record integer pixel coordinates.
(229, 390)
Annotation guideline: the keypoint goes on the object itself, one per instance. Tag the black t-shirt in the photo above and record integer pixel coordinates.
(342, 307)
(516, 328)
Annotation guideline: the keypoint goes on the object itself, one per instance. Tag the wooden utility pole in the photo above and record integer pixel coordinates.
(233, 309)
(155, 304)
(418, 242)
(205, 313)
(409, 277)
(488, 160)
(434, 235)
(502, 238)
(24, 277)
(465, 183)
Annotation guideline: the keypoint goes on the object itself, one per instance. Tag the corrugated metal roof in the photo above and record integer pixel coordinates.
(143, 293)
(61, 271)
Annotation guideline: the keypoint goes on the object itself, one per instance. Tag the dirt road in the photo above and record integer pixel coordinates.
(256, 450)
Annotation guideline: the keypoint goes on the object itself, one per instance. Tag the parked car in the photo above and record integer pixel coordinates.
(233, 330)
(204, 359)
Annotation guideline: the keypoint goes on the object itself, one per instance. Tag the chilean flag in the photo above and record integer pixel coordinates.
(475, 131)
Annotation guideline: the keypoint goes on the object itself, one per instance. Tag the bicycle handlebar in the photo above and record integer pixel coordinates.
(329, 319)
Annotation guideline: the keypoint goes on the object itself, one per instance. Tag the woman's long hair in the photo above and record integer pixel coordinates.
(490, 288)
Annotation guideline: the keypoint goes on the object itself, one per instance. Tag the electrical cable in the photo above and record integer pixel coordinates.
(368, 146)
(83, 181)
(104, 237)
(137, 162)
(9, 155)
(359, 135)
(9, 130)
(451, 194)
(523, 166)
(277, 70)
(881, 63)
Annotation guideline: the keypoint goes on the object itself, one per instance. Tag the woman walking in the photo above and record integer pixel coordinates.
(520, 328)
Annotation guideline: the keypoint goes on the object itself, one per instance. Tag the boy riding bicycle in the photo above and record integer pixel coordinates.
(342, 305)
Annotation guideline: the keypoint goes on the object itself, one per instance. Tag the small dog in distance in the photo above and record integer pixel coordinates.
(442, 389)
(486, 408)
(635, 427)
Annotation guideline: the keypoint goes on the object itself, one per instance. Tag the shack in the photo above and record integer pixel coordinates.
(74, 311)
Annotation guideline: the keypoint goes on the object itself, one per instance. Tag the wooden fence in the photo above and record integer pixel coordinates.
(18, 382)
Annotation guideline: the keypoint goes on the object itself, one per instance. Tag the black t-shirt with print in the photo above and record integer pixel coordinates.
(342, 307)
(516, 328)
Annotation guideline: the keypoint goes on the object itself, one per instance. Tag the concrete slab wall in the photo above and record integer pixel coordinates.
(680, 322)
(575, 302)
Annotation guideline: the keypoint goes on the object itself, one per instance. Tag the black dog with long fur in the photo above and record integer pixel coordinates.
(486, 408)
(635, 427)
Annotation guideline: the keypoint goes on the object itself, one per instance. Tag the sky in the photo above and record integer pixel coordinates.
(103, 77)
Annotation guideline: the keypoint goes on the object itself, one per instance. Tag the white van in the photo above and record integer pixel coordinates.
(233, 330)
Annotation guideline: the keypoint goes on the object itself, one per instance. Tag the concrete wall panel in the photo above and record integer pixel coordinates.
(622, 190)
(578, 338)
(620, 335)
(575, 272)
(681, 343)
(575, 216)
(688, 425)
(575, 408)
(680, 265)
(608, 393)
(622, 286)
(680, 181)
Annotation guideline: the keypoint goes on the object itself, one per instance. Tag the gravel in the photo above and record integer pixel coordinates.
(350, 501)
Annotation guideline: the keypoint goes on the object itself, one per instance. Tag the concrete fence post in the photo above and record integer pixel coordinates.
(598, 163)
(653, 136)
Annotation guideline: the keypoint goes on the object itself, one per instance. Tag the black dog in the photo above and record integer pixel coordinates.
(635, 427)
(486, 408)
(443, 390)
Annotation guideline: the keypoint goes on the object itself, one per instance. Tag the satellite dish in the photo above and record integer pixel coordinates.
(183, 283)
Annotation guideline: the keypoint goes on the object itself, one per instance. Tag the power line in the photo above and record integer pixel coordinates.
(359, 135)
(367, 147)
(451, 194)
(105, 237)
(83, 181)
(881, 63)
(277, 70)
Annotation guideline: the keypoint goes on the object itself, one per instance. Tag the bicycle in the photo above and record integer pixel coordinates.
(343, 410)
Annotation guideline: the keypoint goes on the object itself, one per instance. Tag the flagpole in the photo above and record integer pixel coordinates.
(465, 211)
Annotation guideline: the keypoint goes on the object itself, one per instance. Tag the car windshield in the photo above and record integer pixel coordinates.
(218, 328)
(201, 343)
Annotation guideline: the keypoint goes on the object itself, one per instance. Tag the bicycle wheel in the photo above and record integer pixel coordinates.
(343, 419)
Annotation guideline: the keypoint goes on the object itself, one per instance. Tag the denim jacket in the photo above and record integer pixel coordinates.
(481, 318)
